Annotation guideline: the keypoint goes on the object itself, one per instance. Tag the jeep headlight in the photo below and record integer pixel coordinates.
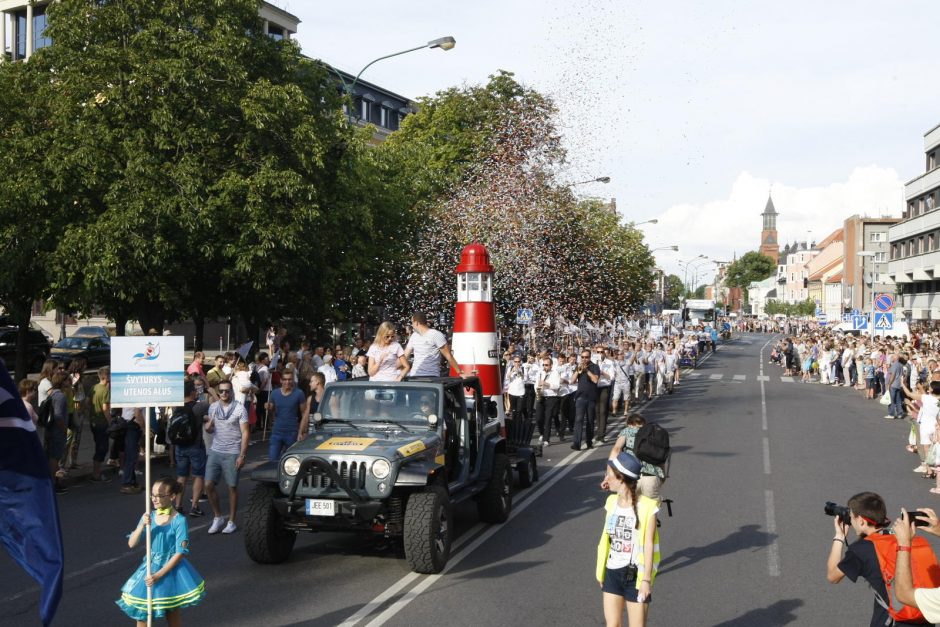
(291, 466)
(381, 468)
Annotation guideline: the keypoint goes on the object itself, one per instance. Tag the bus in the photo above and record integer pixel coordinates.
(699, 311)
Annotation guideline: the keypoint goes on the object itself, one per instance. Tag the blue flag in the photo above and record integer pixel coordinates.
(29, 526)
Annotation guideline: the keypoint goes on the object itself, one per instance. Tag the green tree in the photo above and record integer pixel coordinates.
(750, 267)
(32, 201)
(673, 289)
(477, 164)
(211, 169)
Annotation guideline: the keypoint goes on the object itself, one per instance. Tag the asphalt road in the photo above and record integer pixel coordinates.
(755, 457)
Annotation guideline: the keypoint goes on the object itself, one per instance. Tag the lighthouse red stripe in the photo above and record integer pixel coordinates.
(489, 377)
(475, 317)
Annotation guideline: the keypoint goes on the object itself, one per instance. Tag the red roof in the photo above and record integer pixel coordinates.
(475, 258)
(835, 278)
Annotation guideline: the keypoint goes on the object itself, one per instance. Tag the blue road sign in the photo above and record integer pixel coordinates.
(860, 323)
(884, 303)
(846, 317)
(884, 321)
(523, 316)
(856, 312)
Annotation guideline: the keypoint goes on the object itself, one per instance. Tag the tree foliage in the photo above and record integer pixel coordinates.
(750, 267)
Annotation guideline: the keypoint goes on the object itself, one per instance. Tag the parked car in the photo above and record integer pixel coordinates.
(95, 350)
(101, 332)
(37, 348)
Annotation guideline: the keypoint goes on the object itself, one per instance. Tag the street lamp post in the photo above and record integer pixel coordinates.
(672, 248)
(690, 264)
(443, 43)
(600, 179)
(861, 284)
(633, 225)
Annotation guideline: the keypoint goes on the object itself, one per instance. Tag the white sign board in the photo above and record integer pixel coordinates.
(147, 371)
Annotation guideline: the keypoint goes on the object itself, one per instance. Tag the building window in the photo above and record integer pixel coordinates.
(931, 161)
(275, 32)
(19, 34)
(878, 237)
(931, 244)
(39, 29)
(881, 257)
(910, 210)
(383, 117)
(364, 109)
(928, 202)
(920, 245)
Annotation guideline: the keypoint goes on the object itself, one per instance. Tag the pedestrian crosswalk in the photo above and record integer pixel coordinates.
(736, 378)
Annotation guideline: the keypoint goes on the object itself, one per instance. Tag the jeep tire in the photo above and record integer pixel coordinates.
(528, 471)
(427, 530)
(266, 539)
(495, 501)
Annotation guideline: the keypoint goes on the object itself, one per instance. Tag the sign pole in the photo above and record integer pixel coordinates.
(147, 508)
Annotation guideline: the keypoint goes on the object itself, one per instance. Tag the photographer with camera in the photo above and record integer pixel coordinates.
(916, 579)
(868, 557)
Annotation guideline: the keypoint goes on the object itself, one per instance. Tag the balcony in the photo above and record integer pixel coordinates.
(923, 183)
(932, 138)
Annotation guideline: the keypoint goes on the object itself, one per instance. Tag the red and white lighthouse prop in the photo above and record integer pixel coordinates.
(475, 344)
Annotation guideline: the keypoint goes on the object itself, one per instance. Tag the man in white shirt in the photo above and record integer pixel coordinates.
(547, 385)
(427, 345)
(849, 370)
(608, 372)
(327, 369)
(621, 388)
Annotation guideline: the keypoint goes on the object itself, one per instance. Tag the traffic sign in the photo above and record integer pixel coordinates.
(884, 303)
(523, 316)
(884, 321)
(860, 323)
(856, 312)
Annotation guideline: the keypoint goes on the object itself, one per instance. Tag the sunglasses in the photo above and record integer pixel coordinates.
(225, 391)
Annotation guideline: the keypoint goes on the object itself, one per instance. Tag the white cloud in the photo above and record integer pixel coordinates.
(731, 226)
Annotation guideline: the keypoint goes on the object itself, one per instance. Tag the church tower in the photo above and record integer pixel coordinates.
(768, 234)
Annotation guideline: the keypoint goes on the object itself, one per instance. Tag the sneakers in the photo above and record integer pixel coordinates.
(230, 527)
(921, 468)
(131, 489)
(196, 512)
(889, 417)
(217, 524)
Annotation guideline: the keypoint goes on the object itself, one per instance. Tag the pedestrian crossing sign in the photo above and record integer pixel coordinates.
(523, 316)
(884, 321)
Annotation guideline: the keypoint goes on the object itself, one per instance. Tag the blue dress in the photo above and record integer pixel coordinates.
(181, 587)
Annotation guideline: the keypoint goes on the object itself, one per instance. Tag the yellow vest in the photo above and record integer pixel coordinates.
(646, 510)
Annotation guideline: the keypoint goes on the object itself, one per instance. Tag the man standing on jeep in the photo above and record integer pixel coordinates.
(427, 345)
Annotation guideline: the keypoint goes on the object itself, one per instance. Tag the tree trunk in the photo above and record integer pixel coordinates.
(21, 316)
(199, 322)
(120, 324)
(253, 331)
(150, 314)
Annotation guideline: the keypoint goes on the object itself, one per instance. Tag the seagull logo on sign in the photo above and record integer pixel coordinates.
(151, 352)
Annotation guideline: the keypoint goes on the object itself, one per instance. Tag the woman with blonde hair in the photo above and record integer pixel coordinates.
(386, 356)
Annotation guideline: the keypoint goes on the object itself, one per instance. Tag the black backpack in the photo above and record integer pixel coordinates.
(651, 444)
(45, 412)
(255, 378)
(182, 429)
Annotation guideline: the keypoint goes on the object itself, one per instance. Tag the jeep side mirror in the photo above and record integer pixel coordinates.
(492, 411)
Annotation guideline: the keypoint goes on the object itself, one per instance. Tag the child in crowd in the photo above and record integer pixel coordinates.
(175, 583)
(869, 378)
(628, 551)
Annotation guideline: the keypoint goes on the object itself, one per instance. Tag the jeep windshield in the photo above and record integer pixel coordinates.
(404, 407)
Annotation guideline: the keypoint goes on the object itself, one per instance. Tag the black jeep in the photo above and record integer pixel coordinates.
(387, 458)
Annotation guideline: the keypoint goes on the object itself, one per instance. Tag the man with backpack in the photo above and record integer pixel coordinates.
(873, 557)
(184, 431)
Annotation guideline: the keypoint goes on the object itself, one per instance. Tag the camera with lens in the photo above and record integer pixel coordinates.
(843, 512)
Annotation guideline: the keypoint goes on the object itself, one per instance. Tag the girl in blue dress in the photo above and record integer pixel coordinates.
(174, 581)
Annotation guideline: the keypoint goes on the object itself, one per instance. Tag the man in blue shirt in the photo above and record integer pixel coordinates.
(287, 403)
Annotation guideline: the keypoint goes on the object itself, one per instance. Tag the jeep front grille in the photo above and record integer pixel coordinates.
(354, 473)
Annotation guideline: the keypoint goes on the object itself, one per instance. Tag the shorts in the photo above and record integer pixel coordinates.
(650, 486)
(190, 460)
(869, 384)
(618, 581)
(926, 434)
(222, 465)
(621, 390)
(55, 443)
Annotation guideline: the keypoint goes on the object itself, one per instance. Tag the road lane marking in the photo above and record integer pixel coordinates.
(762, 377)
(716, 377)
(740, 377)
(773, 550)
(693, 375)
(565, 466)
(766, 456)
(786, 379)
(87, 569)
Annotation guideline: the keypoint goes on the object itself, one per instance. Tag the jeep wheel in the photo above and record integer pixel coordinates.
(266, 539)
(528, 470)
(427, 530)
(495, 501)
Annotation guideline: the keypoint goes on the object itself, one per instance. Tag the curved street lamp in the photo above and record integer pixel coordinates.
(600, 179)
(633, 225)
(674, 248)
(443, 43)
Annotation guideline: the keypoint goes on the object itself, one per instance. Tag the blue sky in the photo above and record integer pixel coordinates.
(694, 109)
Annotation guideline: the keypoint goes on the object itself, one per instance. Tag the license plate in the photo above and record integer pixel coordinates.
(321, 507)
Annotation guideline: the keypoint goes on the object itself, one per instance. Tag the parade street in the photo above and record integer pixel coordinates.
(755, 456)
